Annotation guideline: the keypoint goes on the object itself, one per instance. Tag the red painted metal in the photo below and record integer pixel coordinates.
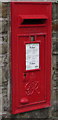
(31, 88)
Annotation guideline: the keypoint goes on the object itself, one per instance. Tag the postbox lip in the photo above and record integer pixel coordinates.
(33, 17)
(35, 2)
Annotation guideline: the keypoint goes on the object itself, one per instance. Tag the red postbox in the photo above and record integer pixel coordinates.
(30, 55)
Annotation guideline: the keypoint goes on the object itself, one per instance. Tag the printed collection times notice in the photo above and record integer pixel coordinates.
(32, 56)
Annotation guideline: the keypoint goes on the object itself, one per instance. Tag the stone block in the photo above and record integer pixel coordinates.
(5, 103)
(55, 104)
(5, 59)
(4, 26)
(0, 76)
(53, 96)
(56, 73)
(5, 75)
(55, 27)
(56, 34)
(0, 38)
(57, 45)
(55, 114)
(36, 114)
(54, 83)
(57, 11)
(54, 11)
(54, 46)
(0, 9)
(4, 47)
(57, 95)
(53, 35)
(1, 62)
(0, 102)
(4, 10)
(0, 26)
(54, 61)
(4, 37)
(53, 39)
(0, 48)
(57, 82)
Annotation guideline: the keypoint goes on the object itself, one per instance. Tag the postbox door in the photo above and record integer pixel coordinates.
(31, 70)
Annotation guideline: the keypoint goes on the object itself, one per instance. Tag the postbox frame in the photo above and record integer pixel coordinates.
(14, 73)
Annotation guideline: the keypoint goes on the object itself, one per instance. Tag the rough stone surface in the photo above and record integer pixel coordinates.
(0, 26)
(4, 25)
(43, 113)
(0, 48)
(4, 10)
(0, 9)
(5, 66)
(0, 77)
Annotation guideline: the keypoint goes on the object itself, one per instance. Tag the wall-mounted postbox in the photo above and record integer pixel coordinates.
(30, 55)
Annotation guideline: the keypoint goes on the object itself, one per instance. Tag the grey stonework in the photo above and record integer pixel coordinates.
(5, 67)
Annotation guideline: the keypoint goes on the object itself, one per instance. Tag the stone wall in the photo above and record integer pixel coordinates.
(0, 60)
(4, 56)
(55, 59)
(5, 67)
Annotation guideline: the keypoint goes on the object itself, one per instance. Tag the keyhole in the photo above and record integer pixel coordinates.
(24, 74)
(32, 38)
